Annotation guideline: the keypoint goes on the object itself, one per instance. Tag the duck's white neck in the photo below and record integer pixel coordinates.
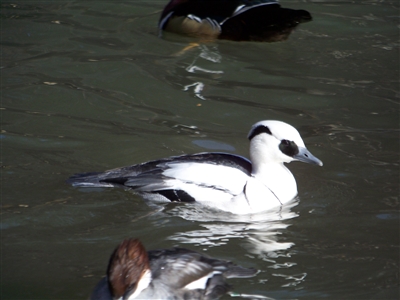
(278, 179)
(268, 168)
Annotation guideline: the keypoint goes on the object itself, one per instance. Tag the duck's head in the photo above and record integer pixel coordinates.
(128, 270)
(277, 142)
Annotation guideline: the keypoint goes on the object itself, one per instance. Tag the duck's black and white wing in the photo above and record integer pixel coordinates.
(186, 178)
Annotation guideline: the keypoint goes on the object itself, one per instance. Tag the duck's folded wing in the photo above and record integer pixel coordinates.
(181, 270)
(193, 271)
(217, 170)
(229, 269)
(162, 257)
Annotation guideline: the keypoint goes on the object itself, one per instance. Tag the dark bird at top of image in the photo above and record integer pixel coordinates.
(237, 20)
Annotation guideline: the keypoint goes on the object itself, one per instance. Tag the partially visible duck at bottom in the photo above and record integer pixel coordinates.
(220, 180)
(177, 273)
(237, 20)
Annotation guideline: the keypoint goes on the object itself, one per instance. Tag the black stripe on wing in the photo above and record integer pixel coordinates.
(153, 170)
(175, 195)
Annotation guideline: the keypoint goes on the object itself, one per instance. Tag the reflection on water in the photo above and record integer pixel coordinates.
(258, 232)
(210, 55)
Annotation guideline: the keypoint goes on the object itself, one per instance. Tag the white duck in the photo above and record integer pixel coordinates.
(224, 181)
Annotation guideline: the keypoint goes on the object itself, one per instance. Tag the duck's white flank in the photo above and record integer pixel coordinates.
(224, 181)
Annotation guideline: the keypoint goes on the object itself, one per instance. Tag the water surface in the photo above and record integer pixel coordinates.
(90, 85)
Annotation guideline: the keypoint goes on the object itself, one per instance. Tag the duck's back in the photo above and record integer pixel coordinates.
(239, 20)
(221, 171)
(180, 273)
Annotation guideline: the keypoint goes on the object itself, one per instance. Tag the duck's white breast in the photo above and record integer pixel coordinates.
(206, 176)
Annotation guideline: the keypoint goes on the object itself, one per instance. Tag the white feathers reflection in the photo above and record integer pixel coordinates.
(209, 55)
(259, 233)
(261, 238)
(294, 280)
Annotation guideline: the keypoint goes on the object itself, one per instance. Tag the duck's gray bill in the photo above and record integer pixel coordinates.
(305, 156)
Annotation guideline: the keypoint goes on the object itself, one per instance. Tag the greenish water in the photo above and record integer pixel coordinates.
(89, 85)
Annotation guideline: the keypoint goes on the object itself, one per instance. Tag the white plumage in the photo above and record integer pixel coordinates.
(223, 181)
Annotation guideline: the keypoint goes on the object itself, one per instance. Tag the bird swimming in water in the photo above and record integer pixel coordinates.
(237, 20)
(223, 181)
(178, 273)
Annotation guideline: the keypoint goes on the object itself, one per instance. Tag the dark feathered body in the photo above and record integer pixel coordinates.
(238, 20)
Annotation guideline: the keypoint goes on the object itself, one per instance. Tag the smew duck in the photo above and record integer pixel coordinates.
(220, 180)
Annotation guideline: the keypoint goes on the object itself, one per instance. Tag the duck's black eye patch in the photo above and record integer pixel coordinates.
(258, 130)
(289, 148)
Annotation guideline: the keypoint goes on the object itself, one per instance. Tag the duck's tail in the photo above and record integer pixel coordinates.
(92, 179)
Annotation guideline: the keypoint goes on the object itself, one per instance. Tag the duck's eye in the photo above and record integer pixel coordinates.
(288, 147)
